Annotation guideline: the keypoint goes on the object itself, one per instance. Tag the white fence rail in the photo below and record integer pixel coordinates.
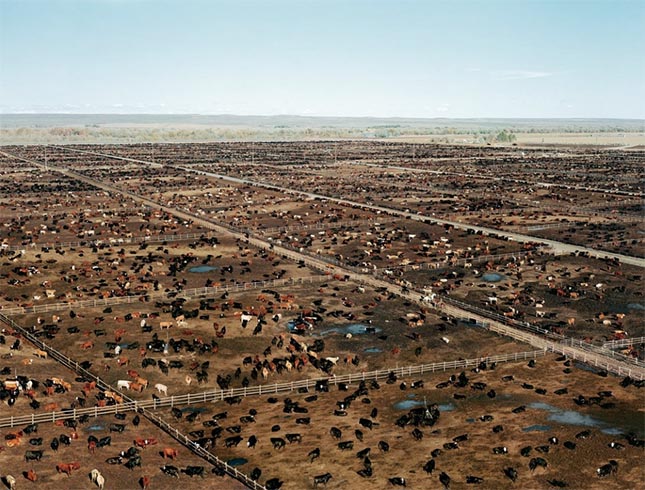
(184, 293)
(259, 390)
(613, 344)
(109, 241)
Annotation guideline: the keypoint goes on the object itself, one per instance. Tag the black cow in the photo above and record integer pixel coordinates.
(336, 433)
(313, 454)
(398, 481)
(33, 455)
(132, 462)
(474, 480)
(170, 470)
(278, 442)
(346, 445)
(273, 484)
(558, 483)
(322, 479)
(232, 441)
(363, 453)
(117, 427)
(511, 473)
(535, 462)
(429, 466)
(194, 471)
(444, 479)
(294, 438)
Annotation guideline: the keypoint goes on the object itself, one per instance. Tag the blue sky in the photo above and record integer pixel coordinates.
(409, 58)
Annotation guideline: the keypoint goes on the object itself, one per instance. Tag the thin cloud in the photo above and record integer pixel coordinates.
(519, 74)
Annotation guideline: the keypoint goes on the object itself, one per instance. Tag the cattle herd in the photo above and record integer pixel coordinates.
(267, 305)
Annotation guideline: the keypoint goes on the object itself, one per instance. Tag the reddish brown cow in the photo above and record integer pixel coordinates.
(31, 476)
(144, 482)
(169, 452)
(64, 468)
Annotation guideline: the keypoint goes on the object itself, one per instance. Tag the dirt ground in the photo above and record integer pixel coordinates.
(581, 297)
(560, 418)
(117, 476)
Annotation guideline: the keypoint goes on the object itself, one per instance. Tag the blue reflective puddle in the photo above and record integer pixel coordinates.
(354, 329)
(492, 277)
(536, 428)
(571, 417)
(237, 461)
(203, 268)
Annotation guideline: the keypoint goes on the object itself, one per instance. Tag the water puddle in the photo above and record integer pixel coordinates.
(492, 277)
(95, 427)
(203, 268)
(237, 462)
(372, 350)
(354, 329)
(571, 417)
(411, 403)
(536, 428)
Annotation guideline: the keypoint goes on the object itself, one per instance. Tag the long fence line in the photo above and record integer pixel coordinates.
(450, 263)
(323, 226)
(259, 390)
(569, 349)
(184, 293)
(612, 344)
(134, 405)
(603, 351)
(110, 242)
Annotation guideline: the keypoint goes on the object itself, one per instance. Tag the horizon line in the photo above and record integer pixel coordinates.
(315, 116)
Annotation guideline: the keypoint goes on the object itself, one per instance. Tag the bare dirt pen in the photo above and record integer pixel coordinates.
(545, 416)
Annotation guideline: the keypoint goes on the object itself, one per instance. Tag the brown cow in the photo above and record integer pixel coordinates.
(64, 468)
(144, 482)
(144, 443)
(51, 407)
(136, 387)
(169, 452)
(31, 476)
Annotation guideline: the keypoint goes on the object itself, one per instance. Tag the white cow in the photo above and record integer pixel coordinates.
(123, 384)
(11, 481)
(97, 478)
(162, 388)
